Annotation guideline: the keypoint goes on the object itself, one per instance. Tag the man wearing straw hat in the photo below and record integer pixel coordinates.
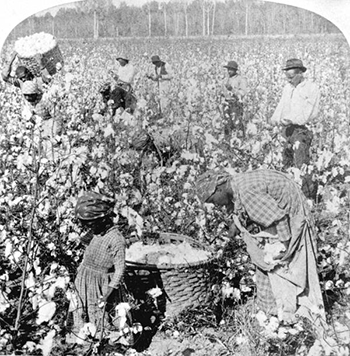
(163, 74)
(284, 252)
(234, 88)
(123, 93)
(297, 108)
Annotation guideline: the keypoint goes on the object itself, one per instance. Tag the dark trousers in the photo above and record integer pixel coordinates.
(123, 99)
(296, 152)
(233, 118)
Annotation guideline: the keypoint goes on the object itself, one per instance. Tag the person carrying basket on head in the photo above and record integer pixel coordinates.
(23, 74)
(99, 281)
(123, 92)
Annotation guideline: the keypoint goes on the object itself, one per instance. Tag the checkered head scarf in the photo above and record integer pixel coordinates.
(30, 87)
(207, 183)
(92, 206)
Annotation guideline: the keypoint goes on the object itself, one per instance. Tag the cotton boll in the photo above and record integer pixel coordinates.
(46, 311)
(4, 304)
(89, 329)
(271, 251)
(122, 309)
(47, 343)
(261, 317)
(164, 260)
(155, 292)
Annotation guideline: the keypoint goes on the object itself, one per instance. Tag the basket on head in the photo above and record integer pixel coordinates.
(183, 285)
(51, 58)
(48, 60)
(39, 51)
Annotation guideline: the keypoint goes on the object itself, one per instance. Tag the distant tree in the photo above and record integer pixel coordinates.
(164, 6)
(98, 9)
(95, 18)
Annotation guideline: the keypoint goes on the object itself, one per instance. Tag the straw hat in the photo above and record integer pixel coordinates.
(156, 59)
(294, 63)
(123, 58)
(231, 65)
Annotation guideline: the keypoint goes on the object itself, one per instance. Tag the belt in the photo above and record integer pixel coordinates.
(99, 269)
(295, 126)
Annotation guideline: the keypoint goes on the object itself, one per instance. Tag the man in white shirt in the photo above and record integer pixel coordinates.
(123, 92)
(298, 106)
(234, 88)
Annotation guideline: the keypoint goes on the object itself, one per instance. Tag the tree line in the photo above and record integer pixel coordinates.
(100, 18)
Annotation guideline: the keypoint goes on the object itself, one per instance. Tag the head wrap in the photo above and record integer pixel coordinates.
(92, 206)
(22, 70)
(30, 87)
(207, 183)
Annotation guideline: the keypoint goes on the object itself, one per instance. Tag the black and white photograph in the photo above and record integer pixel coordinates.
(175, 178)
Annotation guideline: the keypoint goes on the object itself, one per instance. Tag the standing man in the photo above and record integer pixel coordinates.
(298, 106)
(234, 88)
(123, 92)
(163, 75)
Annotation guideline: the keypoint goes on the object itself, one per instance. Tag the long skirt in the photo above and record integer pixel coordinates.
(291, 290)
(90, 286)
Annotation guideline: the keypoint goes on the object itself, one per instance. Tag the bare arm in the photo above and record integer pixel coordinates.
(6, 73)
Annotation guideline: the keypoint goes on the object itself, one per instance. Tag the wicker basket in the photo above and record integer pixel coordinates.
(183, 285)
(48, 60)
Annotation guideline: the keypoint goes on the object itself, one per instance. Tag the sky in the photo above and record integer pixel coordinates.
(13, 12)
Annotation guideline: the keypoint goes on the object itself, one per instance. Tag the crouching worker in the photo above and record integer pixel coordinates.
(98, 283)
(284, 252)
(108, 98)
(123, 92)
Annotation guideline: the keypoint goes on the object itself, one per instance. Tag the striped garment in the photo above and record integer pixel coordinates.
(102, 267)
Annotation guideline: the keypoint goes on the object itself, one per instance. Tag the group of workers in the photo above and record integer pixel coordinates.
(272, 200)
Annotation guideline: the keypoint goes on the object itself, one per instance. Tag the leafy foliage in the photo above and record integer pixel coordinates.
(40, 182)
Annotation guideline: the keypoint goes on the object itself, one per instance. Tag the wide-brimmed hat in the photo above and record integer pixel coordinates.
(231, 65)
(156, 59)
(123, 58)
(294, 63)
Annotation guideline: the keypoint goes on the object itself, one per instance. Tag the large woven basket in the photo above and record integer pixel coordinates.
(48, 60)
(183, 285)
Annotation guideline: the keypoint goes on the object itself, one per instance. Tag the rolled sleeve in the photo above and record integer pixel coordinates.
(283, 229)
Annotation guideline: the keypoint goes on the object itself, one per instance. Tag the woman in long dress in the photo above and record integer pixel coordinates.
(99, 277)
(287, 284)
